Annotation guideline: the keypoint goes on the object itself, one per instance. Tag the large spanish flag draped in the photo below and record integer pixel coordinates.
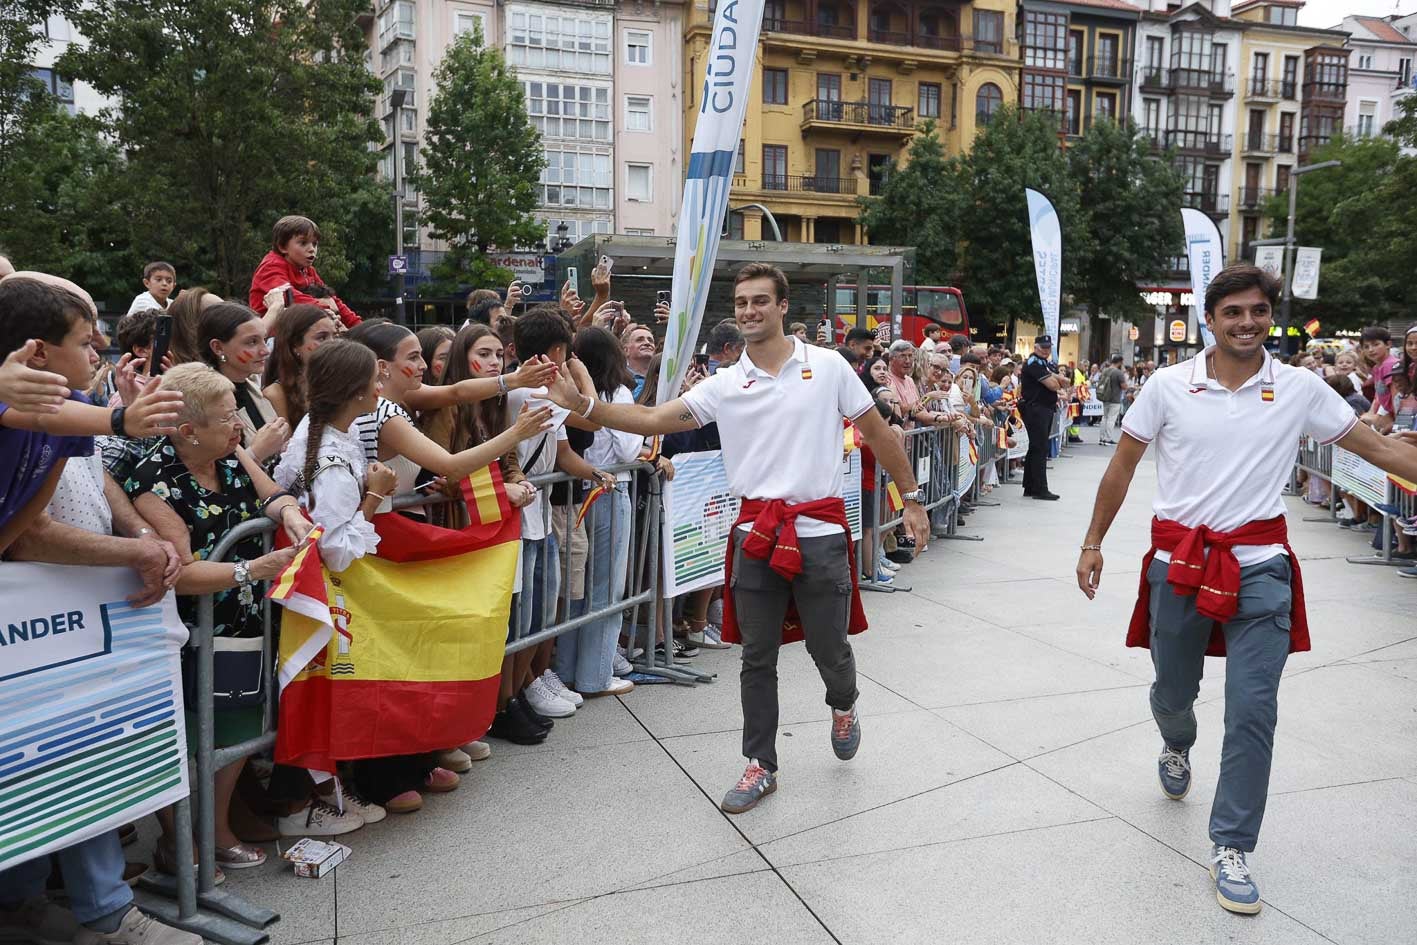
(401, 652)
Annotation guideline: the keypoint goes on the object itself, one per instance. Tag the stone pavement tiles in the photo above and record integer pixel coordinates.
(1005, 791)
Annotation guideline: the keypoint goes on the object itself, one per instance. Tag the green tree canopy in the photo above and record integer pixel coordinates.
(919, 205)
(481, 162)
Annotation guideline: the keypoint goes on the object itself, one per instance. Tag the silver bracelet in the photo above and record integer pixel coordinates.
(589, 406)
(501, 383)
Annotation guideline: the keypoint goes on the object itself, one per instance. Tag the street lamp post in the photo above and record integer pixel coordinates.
(396, 100)
(1289, 248)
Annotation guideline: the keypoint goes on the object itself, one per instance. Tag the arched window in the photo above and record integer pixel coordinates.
(987, 102)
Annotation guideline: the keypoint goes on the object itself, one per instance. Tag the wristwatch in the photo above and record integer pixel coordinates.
(242, 573)
(917, 496)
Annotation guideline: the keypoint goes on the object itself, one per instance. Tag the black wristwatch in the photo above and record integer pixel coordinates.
(115, 420)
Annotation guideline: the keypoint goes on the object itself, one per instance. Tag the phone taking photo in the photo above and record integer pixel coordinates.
(662, 297)
(701, 359)
(607, 264)
(288, 296)
(162, 339)
(573, 278)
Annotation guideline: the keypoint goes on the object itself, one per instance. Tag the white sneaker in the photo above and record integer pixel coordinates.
(367, 811)
(618, 687)
(455, 760)
(622, 666)
(477, 751)
(558, 689)
(888, 564)
(627, 654)
(320, 819)
(545, 702)
(138, 929)
(713, 639)
(40, 921)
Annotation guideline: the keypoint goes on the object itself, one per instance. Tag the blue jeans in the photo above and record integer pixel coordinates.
(541, 584)
(93, 877)
(585, 657)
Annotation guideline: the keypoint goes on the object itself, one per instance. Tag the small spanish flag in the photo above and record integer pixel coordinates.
(1001, 438)
(806, 373)
(1312, 327)
(589, 500)
(893, 496)
(850, 438)
(1267, 394)
(973, 453)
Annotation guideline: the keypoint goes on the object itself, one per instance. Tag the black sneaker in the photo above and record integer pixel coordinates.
(515, 729)
(518, 706)
(1045, 496)
(685, 649)
(904, 541)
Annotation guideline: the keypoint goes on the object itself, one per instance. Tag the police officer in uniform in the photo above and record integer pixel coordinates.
(1038, 402)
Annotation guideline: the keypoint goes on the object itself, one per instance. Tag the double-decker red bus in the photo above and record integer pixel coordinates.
(920, 305)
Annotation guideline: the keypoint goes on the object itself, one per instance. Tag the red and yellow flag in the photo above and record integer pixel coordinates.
(1312, 327)
(893, 496)
(400, 653)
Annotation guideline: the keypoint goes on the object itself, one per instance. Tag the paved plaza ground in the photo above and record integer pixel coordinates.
(1005, 790)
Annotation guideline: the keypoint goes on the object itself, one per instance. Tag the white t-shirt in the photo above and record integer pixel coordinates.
(144, 301)
(928, 344)
(542, 448)
(1223, 457)
(782, 436)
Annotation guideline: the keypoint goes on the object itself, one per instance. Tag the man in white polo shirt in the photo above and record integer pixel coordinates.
(790, 569)
(1220, 578)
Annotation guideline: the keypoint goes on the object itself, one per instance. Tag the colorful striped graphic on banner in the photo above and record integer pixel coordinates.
(92, 736)
(723, 101)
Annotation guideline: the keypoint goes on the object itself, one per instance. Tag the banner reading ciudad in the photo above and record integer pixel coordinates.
(1207, 257)
(1047, 237)
(92, 734)
(401, 652)
(723, 101)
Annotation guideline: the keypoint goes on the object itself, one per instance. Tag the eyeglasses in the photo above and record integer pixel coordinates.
(230, 420)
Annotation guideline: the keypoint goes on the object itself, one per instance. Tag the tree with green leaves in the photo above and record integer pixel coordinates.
(233, 114)
(1016, 150)
(481, 163)
(919, 206)
(1130, 202)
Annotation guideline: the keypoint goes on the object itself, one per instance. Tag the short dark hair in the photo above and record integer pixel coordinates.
(158, 266)
(219, 323)
(969, 357)
(1376, 333)
(933, 326)
(540, 330)
(1341, 383)
(959, 343)
(796, 327)
(289, 227)
(722, 335)
(848, 354)
(764, 271)
(33, 309)
(477, 296)
(1238, 278)
(1116, 359)
(860, 334)
(135, 329)
(481, 311)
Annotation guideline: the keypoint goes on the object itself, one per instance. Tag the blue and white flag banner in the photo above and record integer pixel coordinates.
(1206, 254)
(723, 102)
(92, 733)
(1047, 236)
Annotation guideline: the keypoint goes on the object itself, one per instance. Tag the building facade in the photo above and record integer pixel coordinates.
(841, 89)
(1380, 73)
(1077, 60)
(649, 135)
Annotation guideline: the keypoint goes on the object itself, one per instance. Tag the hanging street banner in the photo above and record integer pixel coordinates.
(1047, 238)
(1206, 253)
(699, 512)
(1271, 260)
(723, 101)
(92, 736)
(1306, 273)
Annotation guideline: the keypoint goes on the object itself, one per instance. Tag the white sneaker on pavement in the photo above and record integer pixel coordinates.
(542, 700)
(477, 751)
(320, 819)
(713, 638)
(367, 811)
(622, 666)
(138, 928)
(558, 688)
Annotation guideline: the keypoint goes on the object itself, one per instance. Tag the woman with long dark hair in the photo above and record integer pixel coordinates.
(300, 330)
(434, 343)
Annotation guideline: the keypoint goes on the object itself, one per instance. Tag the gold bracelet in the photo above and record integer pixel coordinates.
(378, 495)
(1091, 547)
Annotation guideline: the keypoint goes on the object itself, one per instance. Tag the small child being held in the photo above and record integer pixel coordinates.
(295, 242)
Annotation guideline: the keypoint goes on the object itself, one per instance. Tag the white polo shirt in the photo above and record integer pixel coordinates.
(782, 436)
(1222, 457)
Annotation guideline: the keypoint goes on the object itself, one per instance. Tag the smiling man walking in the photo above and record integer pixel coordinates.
(1221, 579)
(790, 568)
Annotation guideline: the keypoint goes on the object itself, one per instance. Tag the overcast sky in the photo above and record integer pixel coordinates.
(1326, 13)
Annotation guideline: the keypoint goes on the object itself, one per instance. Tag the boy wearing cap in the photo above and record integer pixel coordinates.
(1221, 579)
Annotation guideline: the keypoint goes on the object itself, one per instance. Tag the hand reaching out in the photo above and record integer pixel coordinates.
(28, 390)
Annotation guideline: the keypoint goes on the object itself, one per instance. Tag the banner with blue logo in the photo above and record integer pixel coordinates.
(1206, 254)
(1047, 237)
(92, 732)
(723, 101)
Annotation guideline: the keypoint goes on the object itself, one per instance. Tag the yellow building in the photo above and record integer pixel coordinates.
(1290, 98)
(840, 90)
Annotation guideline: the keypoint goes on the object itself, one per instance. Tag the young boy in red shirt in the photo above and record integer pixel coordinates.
(295, 241)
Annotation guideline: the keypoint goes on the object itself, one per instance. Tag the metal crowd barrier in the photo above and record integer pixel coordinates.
(1316, 459)
(190, 900)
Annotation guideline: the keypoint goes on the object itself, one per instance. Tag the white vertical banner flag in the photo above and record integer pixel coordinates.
(1047, 236)
(1306, 272)
(1206, 253)
(723, 101)
(1271, 260)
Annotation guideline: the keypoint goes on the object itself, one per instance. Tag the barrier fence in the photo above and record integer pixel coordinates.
(1346, 472)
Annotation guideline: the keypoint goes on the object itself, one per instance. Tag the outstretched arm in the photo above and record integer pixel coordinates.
(673, 417)
(1395, 454)
(1111, 492)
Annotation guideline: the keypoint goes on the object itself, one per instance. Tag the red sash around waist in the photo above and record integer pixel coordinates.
(1214, 579)
(773, 537)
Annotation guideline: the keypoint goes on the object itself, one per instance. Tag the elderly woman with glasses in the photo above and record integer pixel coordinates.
(194, 490)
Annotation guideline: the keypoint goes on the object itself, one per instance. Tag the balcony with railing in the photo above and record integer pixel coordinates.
(1325, 91)
(1157, 79)
(1109, 69)
(1214, 204)
(1262, 88)
(1257, 142)
(1252, 199)
(860, 116)
(807, 184)
(1199, 142)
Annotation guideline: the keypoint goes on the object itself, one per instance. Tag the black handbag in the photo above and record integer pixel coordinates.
(238, 673)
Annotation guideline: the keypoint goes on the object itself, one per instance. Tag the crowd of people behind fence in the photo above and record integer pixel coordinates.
(289, 406)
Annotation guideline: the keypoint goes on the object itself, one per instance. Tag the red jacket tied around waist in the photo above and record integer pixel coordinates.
(783, 554)
(1214, 579)
(276, 270)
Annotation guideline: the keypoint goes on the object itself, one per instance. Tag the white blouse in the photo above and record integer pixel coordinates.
(614, 447)
(337, 491)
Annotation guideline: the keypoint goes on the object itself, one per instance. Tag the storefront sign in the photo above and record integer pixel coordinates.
(1178, 330)
(525, 266)
(1168, 298)
(1133, 333)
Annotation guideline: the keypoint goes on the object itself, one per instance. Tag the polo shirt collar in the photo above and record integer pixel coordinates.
(799, 353)
(1200, 375)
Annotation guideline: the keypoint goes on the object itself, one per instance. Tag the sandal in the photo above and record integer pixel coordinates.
(243, 856)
